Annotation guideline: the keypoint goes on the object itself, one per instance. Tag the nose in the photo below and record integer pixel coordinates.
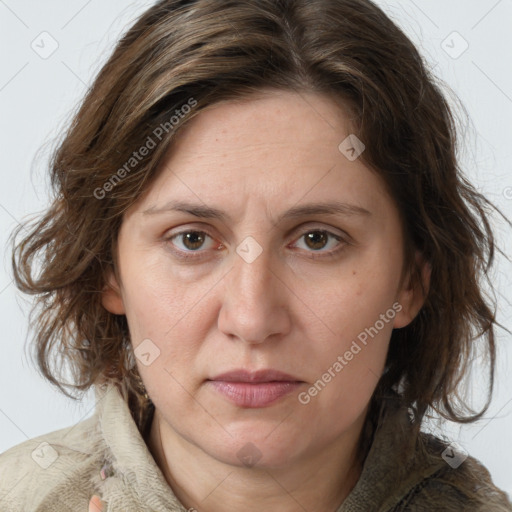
(255, 300)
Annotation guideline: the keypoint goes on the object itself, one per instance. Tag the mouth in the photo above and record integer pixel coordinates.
(254, 389)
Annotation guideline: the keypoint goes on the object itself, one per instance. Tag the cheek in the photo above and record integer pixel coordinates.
(348, 362)
(355, 298)
(165, 318)
(154, 296)
(357, 308)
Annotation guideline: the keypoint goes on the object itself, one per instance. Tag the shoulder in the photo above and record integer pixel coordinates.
(461, 483)
(55, 467)
(417, 471)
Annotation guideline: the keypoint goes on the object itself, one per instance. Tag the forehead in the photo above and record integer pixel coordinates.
(265, 152)
(298, 120)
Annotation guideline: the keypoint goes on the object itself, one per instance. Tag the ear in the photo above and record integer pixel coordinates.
(412, 295)
(111, 297)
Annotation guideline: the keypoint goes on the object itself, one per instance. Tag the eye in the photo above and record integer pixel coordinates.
(191, 241)
(316, 240)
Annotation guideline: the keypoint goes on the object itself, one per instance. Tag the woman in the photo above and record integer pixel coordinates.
(263, 256)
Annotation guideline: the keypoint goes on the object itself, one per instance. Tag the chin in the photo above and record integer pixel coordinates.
(256, 446)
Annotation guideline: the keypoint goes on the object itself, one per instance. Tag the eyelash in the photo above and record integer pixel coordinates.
(189, 255)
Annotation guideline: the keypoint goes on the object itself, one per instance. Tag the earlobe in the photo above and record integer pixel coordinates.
(111, 297)
(414, 293)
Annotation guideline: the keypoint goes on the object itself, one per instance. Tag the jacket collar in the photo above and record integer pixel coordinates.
(396, 462)
(130, 476)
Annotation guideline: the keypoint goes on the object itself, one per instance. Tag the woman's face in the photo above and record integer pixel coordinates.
(230, 263)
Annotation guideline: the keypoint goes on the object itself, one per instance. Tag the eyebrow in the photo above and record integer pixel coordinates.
(207, 212)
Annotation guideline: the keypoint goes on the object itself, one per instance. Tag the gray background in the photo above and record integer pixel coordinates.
(39, 90)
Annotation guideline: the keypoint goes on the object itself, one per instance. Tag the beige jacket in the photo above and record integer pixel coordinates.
(106, 455)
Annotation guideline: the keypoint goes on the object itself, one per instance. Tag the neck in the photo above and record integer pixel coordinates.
(316, 482)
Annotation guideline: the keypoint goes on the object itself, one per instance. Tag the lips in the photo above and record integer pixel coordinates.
(254, 389)
(254, 377)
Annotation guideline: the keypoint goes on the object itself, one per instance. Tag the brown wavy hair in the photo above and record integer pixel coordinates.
(200, 52)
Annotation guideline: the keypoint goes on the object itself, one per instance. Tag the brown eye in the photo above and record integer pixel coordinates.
(316, 239)
(320, 243)
(192, 239)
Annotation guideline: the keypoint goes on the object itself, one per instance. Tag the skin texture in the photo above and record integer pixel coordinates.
(292, 309)
(95, 505)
